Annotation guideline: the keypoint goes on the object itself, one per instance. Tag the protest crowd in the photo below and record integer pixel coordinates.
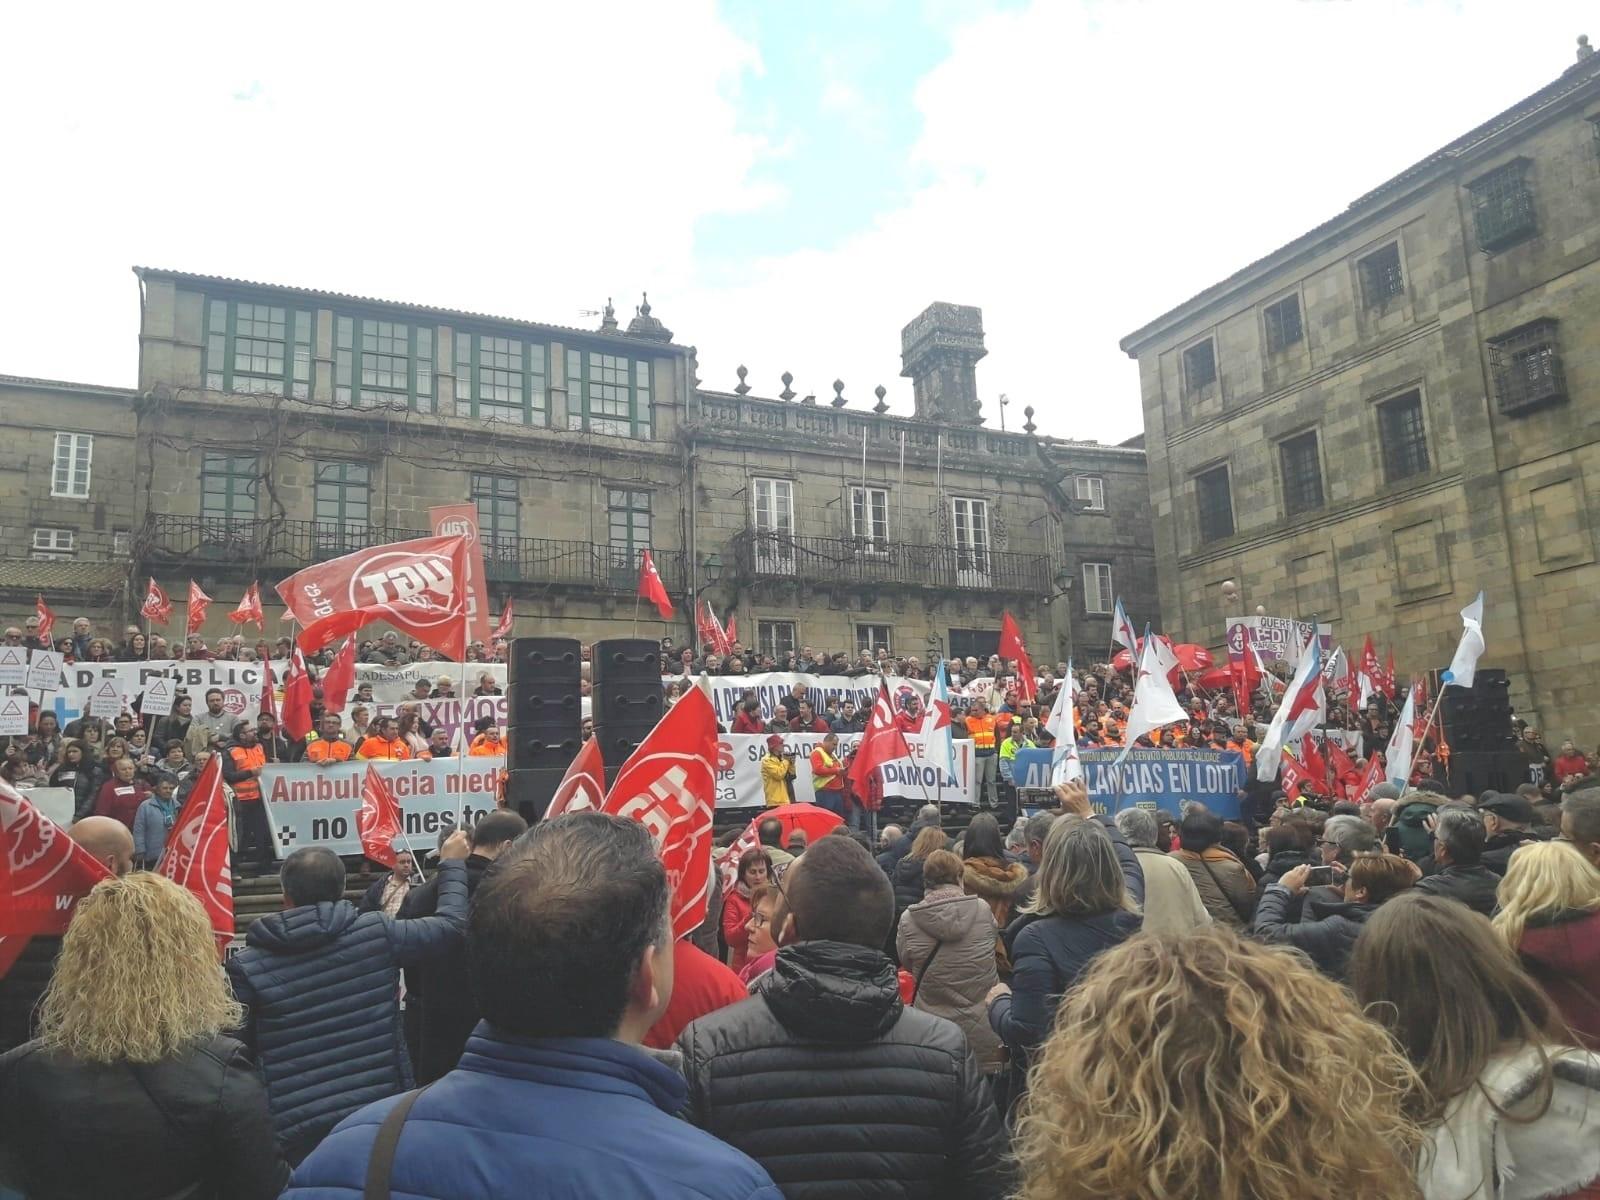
(1351, 983)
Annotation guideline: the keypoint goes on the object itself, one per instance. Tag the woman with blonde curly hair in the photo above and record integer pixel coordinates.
(130, 1090)
(1550, 915)
(1207, 1066)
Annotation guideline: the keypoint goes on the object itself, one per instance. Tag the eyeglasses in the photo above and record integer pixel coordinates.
(758, 919)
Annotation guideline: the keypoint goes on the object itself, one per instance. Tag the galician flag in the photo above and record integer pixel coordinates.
(1465, 664)
(1154, 704)
(1061, 724)
(1122, 630)
(936, 730)
(1397, 758)
(1303, 707)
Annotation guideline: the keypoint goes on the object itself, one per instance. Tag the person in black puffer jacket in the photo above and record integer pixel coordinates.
(824, 1077)
(1327, 935)
(927, 818)
(130, 1090)
(320, 983)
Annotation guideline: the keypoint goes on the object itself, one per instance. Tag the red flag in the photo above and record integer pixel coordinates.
(43, 874)
(733, 631)
(1292, 775)
(250, 608)
(1316, 766)
(156, 608)
(1372, 778)
(297, 697)
(196, 856)
(340, 677)
(1387, 684)
(882, 742)
(668, 785)
(728, 863)
(502, 631)
(47, 619)
(1343, 765)
(712, 635)
(651, 588)
(198, 603)
(269, 692)
(583, 786)
(1369, 662)
(418, 586)
(378, 819)
(1011, 647)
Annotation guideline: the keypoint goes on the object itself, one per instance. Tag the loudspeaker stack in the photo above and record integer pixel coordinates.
(626, 696)
(1477, 726)
(544, 702)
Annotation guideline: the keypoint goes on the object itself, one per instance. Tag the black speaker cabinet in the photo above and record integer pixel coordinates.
(626, 700)
(529, 790)
(544, 703)
(1471, 773)
(543, 658)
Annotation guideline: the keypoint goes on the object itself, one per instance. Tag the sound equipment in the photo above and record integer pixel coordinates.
(1471, 773)
(544, 706)
(530, 790)
(1477, 720)
(626, 699)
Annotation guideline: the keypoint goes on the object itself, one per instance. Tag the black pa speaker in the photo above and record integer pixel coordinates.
(626, 699)
(1477, 720)
(529, 790)
(544, 703)
(1471, 773)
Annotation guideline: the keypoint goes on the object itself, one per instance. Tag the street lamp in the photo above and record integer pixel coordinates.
(710, 573)
(1063, 583)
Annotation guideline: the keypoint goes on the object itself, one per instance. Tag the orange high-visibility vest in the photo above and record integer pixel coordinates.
(248, 758)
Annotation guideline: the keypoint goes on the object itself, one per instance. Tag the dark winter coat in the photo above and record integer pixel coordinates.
(320, 984)
(1327, 942)
(22, 986)
(890, 858)
(1497, 851)
(908, 886)
(1473, 886)
(829, 1082)
(579, 1118)
(1563, 954)
(194, 1126)
(84, 780)
(449, 1012)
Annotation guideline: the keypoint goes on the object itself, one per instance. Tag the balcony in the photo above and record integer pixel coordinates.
(290, 545)
(849, 562)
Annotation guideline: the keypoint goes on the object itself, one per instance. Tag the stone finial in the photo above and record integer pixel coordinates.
(744, 388)
(788, 392)
(1584, 49)
(647, 327)
(1028, 426)
(882, 406)
(838, 400)
(608, 318)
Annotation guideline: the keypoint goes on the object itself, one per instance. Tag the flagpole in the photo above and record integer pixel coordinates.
(636, 615)
(461, 708)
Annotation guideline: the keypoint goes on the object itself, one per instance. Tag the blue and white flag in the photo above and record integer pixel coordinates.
(1464, 666)
(1061, 724)
(936, 733)
(1122, 630)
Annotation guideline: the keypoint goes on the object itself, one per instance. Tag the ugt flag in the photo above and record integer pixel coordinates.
(583, 786)
(43, 875)
(378, 819)
(196, 857)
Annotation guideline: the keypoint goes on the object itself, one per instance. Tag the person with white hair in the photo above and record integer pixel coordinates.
(1171, 901)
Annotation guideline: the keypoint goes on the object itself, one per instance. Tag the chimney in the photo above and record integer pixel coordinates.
(939, 353)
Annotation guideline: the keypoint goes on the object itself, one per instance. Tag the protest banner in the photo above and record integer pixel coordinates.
(13, 716)
(44, 670)
(1275, 638)
(13, 666)
(239, 682)
(106, 699)
(53, 802)
(156, 699)
(391, 685)
(1149, 778)
(921, 778)
(451, 715)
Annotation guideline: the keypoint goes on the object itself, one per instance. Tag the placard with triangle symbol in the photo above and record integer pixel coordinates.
(13, 715)
(13, 665)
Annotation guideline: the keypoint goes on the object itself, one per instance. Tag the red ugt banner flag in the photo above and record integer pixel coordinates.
(883, 742)
(156, 607)
(668, 785)
(651, 588)
(583, 786)
(250, 608)
(198, 603)
(196, 857)
(43, 875)
(418, 586)
(296, 715)
(47, 619)
(1011, 647)
(508, 618)
(340, 677)
(1292, 775)
(378, 819)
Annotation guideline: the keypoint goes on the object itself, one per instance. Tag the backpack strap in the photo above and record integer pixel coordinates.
(381, 1165)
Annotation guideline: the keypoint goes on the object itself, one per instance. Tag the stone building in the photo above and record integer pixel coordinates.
(277, 426)
(1402, 406)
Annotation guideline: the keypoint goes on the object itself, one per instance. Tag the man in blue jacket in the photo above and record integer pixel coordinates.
(569, 948)
(320, 983)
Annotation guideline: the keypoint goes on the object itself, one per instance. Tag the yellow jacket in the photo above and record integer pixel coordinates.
(775, 774)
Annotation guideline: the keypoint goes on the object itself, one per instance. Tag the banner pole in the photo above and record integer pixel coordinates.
(636, 616)
(461, 703)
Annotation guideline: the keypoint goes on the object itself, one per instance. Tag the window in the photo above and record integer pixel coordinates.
(343, 499)
(1097, 594)
(498, 525)
(1502, 206)
(775, 637)
(1526, 366)
(383, 363)
(772, 509)
(70, 478)
(873, 638)
(54, 543)
(970, 523)
(1199, 367)
(1090, 491)
(500, 379)
(1283, 324)
(1381, 277)
(608, 393)
(1405, 445)
(228, 484)
(628, 521)
(869, 517)
(1302, 473)
(257, 348)
(121, 542)
(1213, 498)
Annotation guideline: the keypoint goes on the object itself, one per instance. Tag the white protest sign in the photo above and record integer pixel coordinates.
(13, 715)
(44, 670)
(157, 700)
(105, 700)
(13, 666)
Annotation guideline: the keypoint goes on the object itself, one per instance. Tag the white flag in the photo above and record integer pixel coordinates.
(1122, 631)
(1397, 758)
(1465, 664)
(1061, 725)
(1154, 704)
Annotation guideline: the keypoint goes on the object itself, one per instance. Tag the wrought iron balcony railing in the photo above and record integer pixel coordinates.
(849, 561)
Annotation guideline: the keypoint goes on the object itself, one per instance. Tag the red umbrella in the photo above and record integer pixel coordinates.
(1192, 658)
(1214, 679)
(816, 822)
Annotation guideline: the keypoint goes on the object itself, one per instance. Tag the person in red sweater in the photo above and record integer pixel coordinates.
(1571, 765)
(755, 869)
(120, 796)
(807, 721)
(700, 985)
(748, 718)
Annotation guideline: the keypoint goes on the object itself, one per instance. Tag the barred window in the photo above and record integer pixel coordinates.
(1302, 473)
(1199, 367)
(1283, 324)
(1502, 206)
(1526, 367)
(1214, 504)
(1405, 443)
(1381, 276)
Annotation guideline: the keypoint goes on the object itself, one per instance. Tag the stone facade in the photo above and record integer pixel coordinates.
(1405, 406)
(280, 426)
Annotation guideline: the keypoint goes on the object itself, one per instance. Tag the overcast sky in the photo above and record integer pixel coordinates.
(791, 183)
